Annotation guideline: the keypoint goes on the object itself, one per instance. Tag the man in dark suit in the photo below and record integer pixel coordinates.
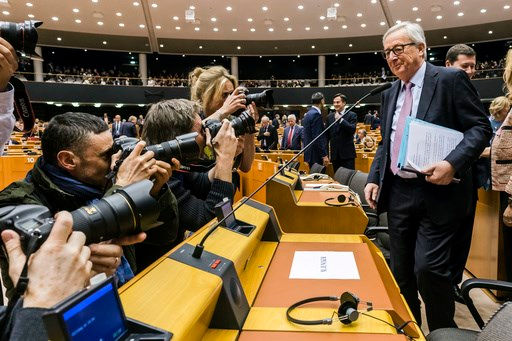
(341, 135)
(368, 118)
(275, 121)
(313, 125)
(267, 134)
(424, 211)
(292, 136)
(116, 127)
(128, 128)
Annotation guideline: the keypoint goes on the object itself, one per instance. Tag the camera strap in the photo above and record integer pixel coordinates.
(23, 108)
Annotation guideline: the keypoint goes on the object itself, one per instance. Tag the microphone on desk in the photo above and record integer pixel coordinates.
(198, 250)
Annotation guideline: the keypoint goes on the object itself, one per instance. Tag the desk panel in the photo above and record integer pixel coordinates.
(308, 336)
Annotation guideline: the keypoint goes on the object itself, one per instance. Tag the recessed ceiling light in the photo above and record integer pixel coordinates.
(119, 14)
(439, 17)
(373, 1)
(414, 9)
(76, 10)
(322, 17)
(175, 18)
(398, 22)
(178, 28)
(483, 10)
(238, 47)
(135, 3)
(95, 1)
(350, 45)
(154, 5)
(300, 7)
(289, 29)
(121, 24)
(286, 19)
(456, 3)
(55, 18)
(29, 4)
(312, 46)
(326, 28)
(336, 4)
(161, 45)
(192, 7)
(31, 16)
(234, 29)
(359, 15)
(253, 29)
(418, 19)
(506, 7)
(158, 27)
(490, 32)
(59, 38)
(382, 23)
(270, 29)
(460, 14)
(363, 25)
(264, 8)
(213, 19)
(104, 42)
(308, 28)
(249, 19)
(215, 29)
(196, 28)
(100, 23)
(344, 27)
(5, 12)
(445, 37)
(78, 21)
(142, 25)
(200, 46)
(229, 8)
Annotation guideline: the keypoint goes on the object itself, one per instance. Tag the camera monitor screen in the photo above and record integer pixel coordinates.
(97, 317)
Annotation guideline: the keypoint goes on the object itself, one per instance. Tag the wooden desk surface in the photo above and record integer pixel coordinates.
(308, 336)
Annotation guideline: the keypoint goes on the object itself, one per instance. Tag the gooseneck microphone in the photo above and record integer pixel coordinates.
(198, 250)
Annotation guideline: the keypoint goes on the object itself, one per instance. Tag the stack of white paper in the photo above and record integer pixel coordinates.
(324, 265)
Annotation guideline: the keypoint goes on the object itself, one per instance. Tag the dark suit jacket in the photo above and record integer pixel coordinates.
(313, 126)
(448, 99)
(341, 136)
(275, 123)
(296, 138)
(128, 129)
(114, 130)
(271, 141)
(368, 119)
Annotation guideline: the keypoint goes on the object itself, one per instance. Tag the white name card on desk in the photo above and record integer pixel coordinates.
(324, 265)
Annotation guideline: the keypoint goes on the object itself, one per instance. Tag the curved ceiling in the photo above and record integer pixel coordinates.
(271, 21)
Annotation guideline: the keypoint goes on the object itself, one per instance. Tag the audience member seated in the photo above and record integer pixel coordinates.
(361, 134)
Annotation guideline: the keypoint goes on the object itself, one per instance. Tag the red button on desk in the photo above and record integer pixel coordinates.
(215, 264)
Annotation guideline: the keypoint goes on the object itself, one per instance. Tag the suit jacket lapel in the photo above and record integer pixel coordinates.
(393, 94)
(427, 93)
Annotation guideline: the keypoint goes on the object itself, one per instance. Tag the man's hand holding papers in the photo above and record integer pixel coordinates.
(440, 173)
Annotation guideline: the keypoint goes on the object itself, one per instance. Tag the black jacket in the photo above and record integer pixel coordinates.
(313, 125)
(341, 136)
(270, 141)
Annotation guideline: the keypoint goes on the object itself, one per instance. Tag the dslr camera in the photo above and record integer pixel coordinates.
(22, 36)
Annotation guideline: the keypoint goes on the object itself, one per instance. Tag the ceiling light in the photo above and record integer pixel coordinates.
(135, 3)
(483, 10)
(119, 14)
(121, 24)
(289, 29)
(234, 29)
(506, 7)
(192, 7)
(253, 29)
(154, 5)
(55, 18)
(270, 29)
(175, 18)
(418, 19)
(75, 104)
(104, 42)
(95, 1)
(336, 4)
(58, 104)
(445, 37)
(249, 19)
(363, 25)
(382, 23)
(308, 28)
(326, 28)
(161, 45)
(97, 105)
(119, 105)
(100, 23)
(76, 10)
(215, 29)
(286, 19)
(456, 3)
(78, 21)
(398, 22)
(359, 15)
(238, 47)
(300, 7)
(312, 46)
(5, 12)
(31, 16)
(439, 17)
(490, 32)
(460, 14)
(142, 25)
(158, 27)
(344, 27)
(29, 4)
(322, 17)
(264, 8)
(350, 45)
(179, 28)
(200, 46)
(59, 38)
(229, 8)
(196, 28)
(213, 19)
(414, 9)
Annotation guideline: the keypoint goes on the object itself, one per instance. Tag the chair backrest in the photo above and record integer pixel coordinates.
(344, 175)
(316, 168)
(357, 184)
(499, 326)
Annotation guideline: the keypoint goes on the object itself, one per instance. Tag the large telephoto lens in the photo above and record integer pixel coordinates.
(22, 36)
(183, 148)
(130, 210)
(264, 99)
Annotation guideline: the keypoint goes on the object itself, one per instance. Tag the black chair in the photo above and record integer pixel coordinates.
(344, 175)
(499, 326)
(316, 168)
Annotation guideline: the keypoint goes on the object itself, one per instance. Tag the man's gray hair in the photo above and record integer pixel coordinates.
(264, 118)
(412, 30)
(292, 117)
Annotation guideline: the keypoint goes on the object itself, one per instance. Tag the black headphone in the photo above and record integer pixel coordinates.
(342, 200)
(347, 311)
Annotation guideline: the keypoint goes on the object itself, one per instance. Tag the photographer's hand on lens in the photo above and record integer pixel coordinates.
(136, 167)
(253, 109)
(58, 269)
(8, 63)
(233, 102)
(162, 175)
(225, 146)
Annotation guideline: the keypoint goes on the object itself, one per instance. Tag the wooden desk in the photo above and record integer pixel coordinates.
(15, 167)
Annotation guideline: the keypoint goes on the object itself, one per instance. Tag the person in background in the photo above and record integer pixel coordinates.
(368, 118)
(463, 57)
(361, 134)
(116, 127)
(267, 135)
(292, 135)
(105, 118)
(313, 125)
(284, 121)
(276, 122)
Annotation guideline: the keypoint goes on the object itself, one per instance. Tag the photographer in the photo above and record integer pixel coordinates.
(57, 270)
(77, 156)
(217, 93)
(8, 65)
(197, 193)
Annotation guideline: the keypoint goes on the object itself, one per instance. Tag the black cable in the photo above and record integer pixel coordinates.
(399, 329)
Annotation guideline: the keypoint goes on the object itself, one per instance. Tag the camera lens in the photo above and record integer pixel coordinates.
(22, 36)
(263, 99)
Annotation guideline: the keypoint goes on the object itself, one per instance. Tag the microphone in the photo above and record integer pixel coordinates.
(198, 250)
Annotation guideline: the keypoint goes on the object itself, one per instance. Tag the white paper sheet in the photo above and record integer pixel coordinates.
(324, 265)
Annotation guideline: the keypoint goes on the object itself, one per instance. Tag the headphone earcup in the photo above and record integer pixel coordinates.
(342, 198)
(347, 312)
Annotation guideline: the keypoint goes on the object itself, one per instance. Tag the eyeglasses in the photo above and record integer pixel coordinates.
(397, 50)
